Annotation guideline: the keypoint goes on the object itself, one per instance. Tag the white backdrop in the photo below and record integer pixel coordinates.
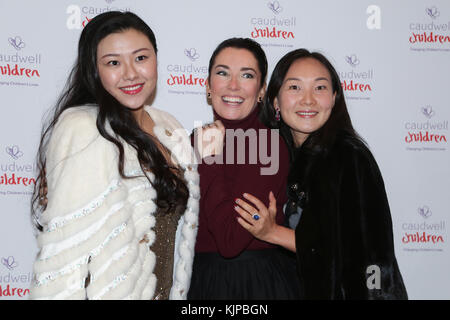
(393, 58)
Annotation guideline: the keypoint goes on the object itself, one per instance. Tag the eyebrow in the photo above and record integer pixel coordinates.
(116, 54)
(297, 79)
(242, 69)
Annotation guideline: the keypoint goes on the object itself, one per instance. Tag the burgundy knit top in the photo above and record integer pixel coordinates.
(221, 184)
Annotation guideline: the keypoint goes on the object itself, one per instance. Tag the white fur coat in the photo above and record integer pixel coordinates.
(95, 220)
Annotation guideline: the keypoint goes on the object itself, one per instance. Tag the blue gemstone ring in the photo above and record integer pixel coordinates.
(255, 216)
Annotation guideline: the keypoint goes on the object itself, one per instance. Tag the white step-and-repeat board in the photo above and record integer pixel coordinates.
(393, 58)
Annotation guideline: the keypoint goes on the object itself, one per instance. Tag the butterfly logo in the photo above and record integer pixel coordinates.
(428, 111)
(275, 7)
(352, 60)
(424, 211)
(9, 263)
(191, 54)
(16, 42)
(432, 12)
(14, 152)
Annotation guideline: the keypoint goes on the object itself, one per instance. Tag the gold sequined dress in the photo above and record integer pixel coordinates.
(163, 247)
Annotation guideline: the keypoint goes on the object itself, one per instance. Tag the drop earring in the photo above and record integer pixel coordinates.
(277, 115)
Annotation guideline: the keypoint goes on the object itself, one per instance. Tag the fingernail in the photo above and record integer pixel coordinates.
(236, 200)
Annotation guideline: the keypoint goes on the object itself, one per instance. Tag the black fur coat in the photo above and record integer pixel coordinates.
(344, 240)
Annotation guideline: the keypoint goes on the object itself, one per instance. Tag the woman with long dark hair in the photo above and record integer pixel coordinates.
(120, 177)
(338, 218)
(229, 262)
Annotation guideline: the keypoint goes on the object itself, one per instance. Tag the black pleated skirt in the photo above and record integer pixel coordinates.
(268, 274)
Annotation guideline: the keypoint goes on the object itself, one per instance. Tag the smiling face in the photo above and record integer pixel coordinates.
(234, 83)
(306, 98)
(126, 63)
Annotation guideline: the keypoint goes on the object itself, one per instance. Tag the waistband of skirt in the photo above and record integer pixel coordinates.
(245, 255)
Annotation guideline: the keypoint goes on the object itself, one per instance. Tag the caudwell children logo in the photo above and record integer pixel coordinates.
(187, 74)
(16, 176)
(428, 133)
(432, 12)
(431, 33)
(13, 284)
(423, 233)
(424, 211)
(17, 65)
(428, 111)
(275, 7)
(14, 152)
(356, 78)
(352, 60)
(192, 54)
(9, 263)
(16, 42)
(273, 26)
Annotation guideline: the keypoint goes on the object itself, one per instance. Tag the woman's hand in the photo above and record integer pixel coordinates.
(258, 219)
(208, 140)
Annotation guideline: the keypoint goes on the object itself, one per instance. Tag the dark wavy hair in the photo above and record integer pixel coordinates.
(247, 44)
(84, 87)
(339, 120)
